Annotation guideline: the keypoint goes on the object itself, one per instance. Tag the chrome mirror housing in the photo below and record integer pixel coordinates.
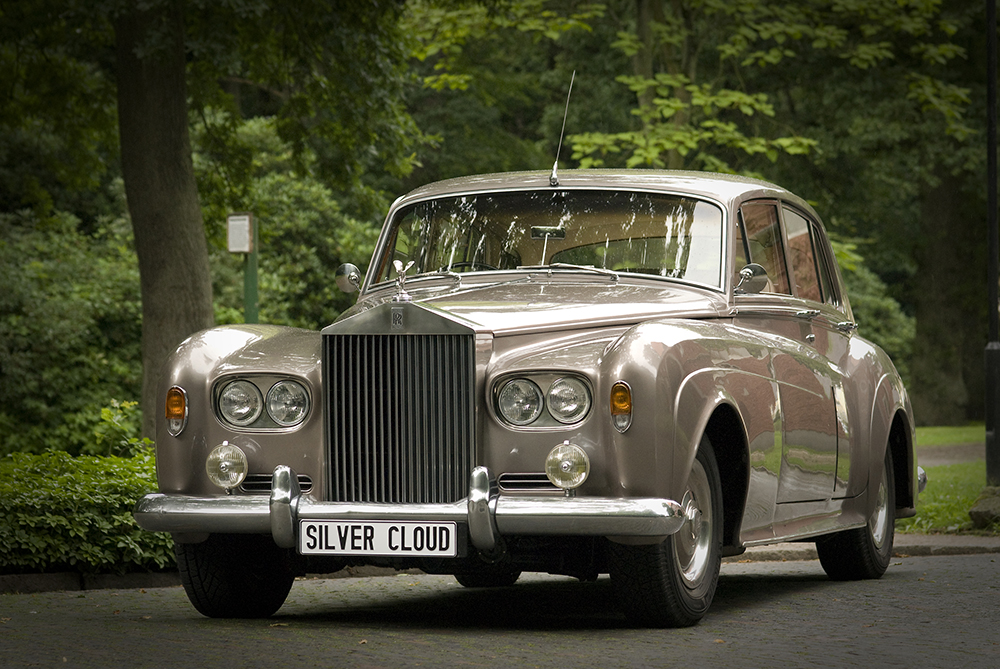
(348, 278)
(753, 279)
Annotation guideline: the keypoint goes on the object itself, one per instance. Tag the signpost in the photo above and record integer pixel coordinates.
(241, 234)
(993, 347)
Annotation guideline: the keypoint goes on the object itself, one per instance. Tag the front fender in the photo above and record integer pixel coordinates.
(680, 372)
(198, 364)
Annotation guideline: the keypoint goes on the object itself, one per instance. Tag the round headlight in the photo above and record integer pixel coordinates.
(240, 403)
(568, 400)
(226, 465)
(520, 402)
(567, 466)
(287, 403)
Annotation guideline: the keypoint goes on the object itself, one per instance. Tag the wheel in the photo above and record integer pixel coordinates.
(490, 578)
(671, 584)
(864, 552)
(235, 575)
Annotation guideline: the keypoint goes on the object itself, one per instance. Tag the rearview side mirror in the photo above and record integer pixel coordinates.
(348, 278)
(753, 279)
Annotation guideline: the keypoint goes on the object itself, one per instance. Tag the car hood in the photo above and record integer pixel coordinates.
(533, 305)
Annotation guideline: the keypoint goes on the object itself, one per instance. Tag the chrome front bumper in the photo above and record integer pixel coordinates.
(488, 514)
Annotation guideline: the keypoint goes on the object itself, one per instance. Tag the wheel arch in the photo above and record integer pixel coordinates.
(725, 431)
(903, 465)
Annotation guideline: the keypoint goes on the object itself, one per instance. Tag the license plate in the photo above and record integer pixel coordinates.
(378, 537)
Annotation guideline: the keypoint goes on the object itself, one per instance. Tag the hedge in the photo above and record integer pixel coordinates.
(64, 513)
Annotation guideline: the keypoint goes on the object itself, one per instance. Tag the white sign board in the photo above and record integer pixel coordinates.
(240, 233)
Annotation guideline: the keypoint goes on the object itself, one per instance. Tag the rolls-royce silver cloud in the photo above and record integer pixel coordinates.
(595, 372)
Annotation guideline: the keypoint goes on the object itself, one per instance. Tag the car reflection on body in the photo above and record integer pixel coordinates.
(628, 373)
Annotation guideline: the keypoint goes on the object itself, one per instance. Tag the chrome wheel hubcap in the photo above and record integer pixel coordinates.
(692, 543)
(878, 524)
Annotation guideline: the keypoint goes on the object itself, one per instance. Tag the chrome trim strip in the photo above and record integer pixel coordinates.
(588, 516)
(488, 515)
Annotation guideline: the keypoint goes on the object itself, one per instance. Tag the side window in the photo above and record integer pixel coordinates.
(826, 270)
(803, 256)
(762, 236)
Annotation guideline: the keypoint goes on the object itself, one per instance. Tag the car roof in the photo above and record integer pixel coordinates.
(728, 189)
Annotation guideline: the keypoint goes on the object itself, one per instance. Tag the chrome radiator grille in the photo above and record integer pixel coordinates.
(401, 414)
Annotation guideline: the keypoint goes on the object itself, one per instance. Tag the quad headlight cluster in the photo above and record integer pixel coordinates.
(521, 401)
(242, 404)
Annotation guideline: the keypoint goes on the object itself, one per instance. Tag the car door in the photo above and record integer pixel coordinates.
(788, 311)
(831, 328)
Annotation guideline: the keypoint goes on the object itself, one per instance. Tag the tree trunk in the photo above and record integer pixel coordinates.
(940, 393)
(662, 57)
(160, 186)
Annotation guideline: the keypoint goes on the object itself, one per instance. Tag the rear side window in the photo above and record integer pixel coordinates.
(802, 253)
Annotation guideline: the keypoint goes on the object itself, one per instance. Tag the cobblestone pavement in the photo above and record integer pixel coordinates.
(925, 612)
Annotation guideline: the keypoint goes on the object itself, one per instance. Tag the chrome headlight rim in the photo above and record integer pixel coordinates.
(296, 388)
(255, 403)
(584, 400)
(505, 402)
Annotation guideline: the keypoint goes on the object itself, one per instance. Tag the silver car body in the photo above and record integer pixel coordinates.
(800, 409)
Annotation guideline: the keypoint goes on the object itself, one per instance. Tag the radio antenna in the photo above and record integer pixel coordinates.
(554, 177)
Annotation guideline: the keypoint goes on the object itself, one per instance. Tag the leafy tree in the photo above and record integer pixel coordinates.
(868, 103)
(69, 330)
(304, 230)
(331, 72)
(687, 115)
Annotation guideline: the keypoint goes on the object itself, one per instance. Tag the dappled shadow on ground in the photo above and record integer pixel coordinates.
(552, 605)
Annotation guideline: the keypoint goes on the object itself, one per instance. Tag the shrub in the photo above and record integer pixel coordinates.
(65, 513)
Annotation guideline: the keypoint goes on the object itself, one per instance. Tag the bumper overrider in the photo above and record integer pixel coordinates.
(488, 515)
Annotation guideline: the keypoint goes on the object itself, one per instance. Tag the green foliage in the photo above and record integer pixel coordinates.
(57, 115)
(690, 120)
(879, 317)
(69, 330)
(117, 434)
(59, 512)
(441, 33)
(944, 505)
(304, 233)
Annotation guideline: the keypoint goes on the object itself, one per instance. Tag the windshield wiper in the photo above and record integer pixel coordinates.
(565, 265)
(436, 274)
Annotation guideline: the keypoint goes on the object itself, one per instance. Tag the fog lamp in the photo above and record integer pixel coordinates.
(567, 466)
(226, 466)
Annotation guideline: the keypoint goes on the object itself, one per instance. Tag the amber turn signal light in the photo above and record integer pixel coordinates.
(621, 406)
(175, 410)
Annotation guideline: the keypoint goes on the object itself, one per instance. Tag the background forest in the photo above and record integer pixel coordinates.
(129, 130)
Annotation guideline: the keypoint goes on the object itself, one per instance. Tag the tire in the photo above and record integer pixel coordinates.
(235, 575)
(864, 553)
(492, 578)
(671, 584)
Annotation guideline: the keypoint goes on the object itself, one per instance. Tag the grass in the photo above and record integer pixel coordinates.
(943, 507)
(951, 491)
(949, 435)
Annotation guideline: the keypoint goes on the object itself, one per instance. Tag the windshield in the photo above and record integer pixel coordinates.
(647, 233)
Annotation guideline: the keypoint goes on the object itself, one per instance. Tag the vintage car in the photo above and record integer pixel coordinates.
(595, 372)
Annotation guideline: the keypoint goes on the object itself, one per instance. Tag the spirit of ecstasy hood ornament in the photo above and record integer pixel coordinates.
(401, 294)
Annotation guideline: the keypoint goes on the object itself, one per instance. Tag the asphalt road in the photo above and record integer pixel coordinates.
(925, 612)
